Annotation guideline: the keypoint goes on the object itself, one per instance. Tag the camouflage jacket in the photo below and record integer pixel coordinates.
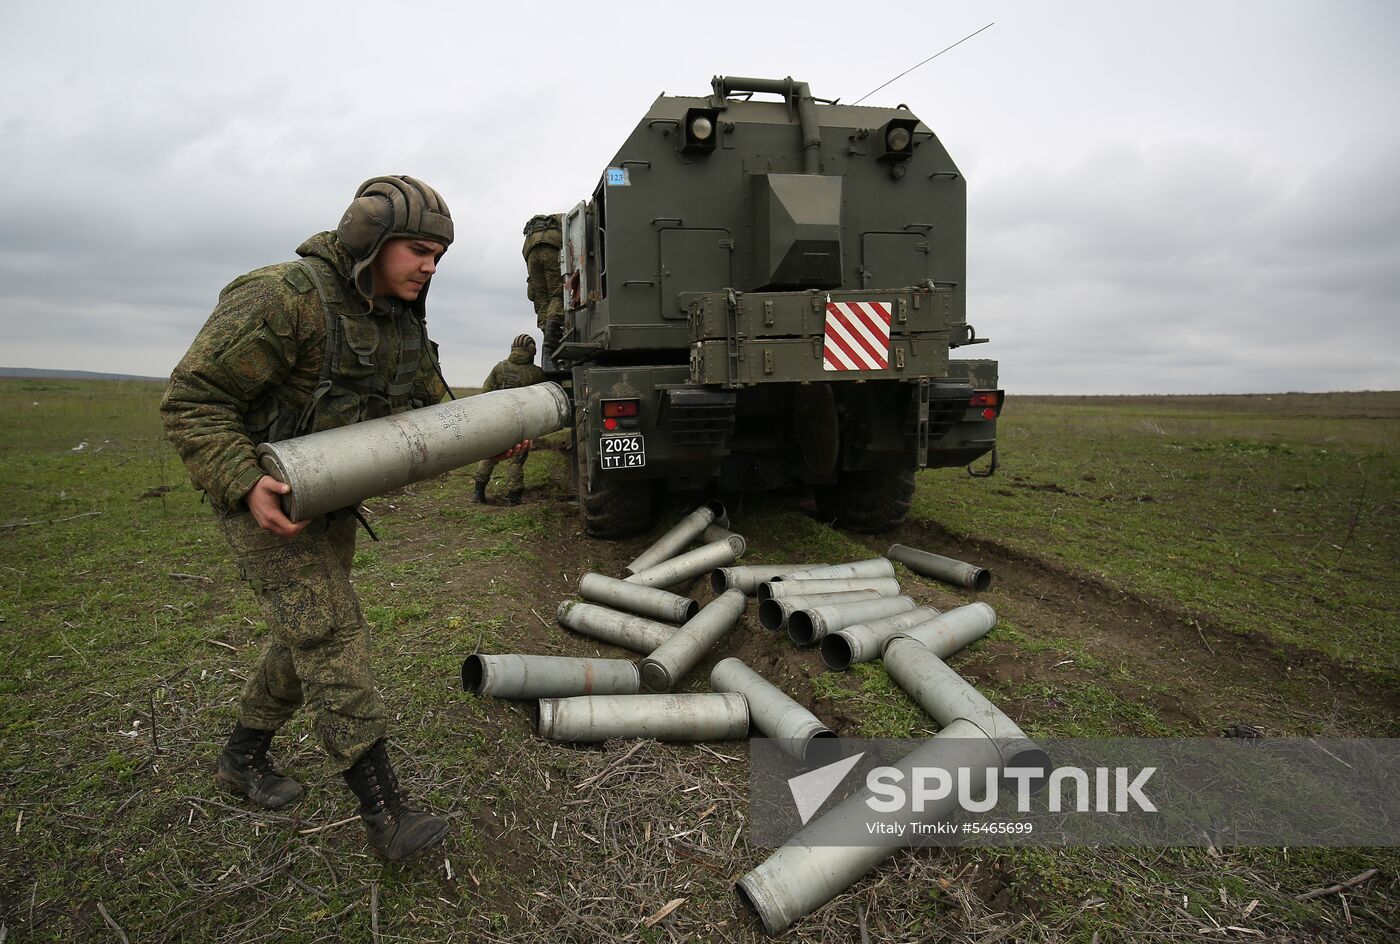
(518, 370)
(254, 372)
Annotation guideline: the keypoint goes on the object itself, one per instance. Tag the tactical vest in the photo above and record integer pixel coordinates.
(542, 231)
(364, 374)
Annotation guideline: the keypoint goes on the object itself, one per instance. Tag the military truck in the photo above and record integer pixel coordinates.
(763, 294)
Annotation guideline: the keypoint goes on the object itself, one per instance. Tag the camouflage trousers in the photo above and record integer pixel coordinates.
(317, 651)
(545, 286)
(514, 479)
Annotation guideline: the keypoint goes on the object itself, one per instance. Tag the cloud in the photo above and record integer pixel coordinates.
(1189, 264)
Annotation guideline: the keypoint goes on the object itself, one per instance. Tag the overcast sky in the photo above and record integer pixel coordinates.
(1169, 197)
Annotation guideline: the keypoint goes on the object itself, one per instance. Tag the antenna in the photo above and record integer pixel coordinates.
(929, 59)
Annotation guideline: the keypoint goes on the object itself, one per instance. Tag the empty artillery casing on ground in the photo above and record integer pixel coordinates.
(948, 632)
(790, 587)
(774, 614)
(947, 569)
(644, 601)
(874, 567)
(621, 629)
(822, 860)
(679, 537)
(707, 716)
(809, 624)
(691, 564)
(747, 577)
(716, 532)
(676, 656)
(771, 710)
(338, 468)
(530, 676)
(862, 642)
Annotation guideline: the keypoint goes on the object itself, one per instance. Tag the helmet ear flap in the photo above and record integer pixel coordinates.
(365, 224)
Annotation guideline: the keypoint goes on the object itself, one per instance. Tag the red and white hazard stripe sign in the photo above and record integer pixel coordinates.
(857, 336)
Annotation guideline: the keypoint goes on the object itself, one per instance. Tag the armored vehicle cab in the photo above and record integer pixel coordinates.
(765, 293)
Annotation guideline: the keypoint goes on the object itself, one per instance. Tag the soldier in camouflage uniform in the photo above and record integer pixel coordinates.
(517, 370)
(333, 338)
(544, 283)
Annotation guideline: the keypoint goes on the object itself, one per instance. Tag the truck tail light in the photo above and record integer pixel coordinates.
(988, 400)
(619, 408)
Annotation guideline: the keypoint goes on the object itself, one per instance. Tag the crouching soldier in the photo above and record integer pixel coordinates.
(336, 337)
(517, 370)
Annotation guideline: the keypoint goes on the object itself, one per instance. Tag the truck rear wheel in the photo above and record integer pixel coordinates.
(613, 508)
(866, 501)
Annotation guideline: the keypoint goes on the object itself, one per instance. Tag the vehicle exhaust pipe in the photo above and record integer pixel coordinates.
(341, 467)
(748, 577)
(862, 642)
(691, 564)
(819, 863)
(952, 631)
(610, 626)
(774, 614)
(771, 710)
(772, 589)
(676, 656)
(644, 601)
(810, 624)
(679, 537)
(530, 676)
(705, 716)
(874, 567)
(928, 564)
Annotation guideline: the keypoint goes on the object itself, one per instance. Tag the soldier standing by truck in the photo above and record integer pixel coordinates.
(517, 370)
(544, 284)
(331, 339)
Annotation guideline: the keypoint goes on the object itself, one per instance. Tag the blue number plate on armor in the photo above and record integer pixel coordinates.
(627, 451)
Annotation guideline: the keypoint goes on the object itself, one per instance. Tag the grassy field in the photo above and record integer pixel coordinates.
(1164, 566)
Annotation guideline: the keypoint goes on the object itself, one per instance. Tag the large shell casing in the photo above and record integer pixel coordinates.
(951, 631)
(748, 577)
(862, 642)
(338, 468)
(679, 537)
(947, 569)
(692, 563)
(705, 716)
(531, 676)
(678, 655)
(774, 613)
(873, 567)
(621, 629)
(771, 710)
(644, 601)
(809, 624)
(792, 587)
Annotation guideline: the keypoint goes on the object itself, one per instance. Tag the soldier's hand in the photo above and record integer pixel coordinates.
(264, 501)
(513, 451)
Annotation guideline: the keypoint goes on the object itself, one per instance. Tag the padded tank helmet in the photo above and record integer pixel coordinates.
(385, 208)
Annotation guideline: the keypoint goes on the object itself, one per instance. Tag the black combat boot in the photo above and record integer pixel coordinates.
(479, 496)
(245, 769)
(395, 831)
(515, 497)
(553, 333)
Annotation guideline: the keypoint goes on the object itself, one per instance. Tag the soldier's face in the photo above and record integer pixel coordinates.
(404, 266)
